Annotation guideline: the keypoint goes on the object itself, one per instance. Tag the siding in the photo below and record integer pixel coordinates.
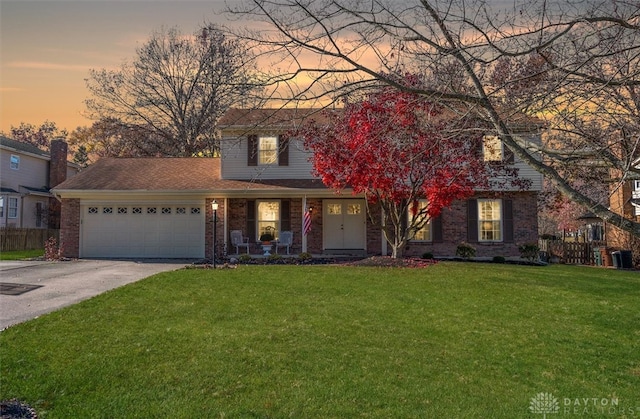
(234, 153)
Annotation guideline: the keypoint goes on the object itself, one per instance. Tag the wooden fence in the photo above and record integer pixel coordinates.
(25, 238)
(571, 252)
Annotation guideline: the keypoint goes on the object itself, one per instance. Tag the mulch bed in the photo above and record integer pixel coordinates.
(15, 409)
(389, 262)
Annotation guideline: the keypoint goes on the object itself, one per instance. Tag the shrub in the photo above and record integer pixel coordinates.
(499, 259)
(427, 255)
(51, 249)
(275, 257)
(465, 250)
(305, 256)
(529, 251)
(244, 258)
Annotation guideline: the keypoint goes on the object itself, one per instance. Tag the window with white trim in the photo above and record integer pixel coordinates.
(490, 220)
(12, 209)
(268, 217)
(15, 162)
(492, 148)
(1, 206)
(267, 150)
(423, 234)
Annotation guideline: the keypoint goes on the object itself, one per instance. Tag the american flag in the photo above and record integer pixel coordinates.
(306, 222)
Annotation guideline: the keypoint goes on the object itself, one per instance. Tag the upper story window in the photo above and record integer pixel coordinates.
(267, 150)
(15, 162)
(492, 148)
(636, 185)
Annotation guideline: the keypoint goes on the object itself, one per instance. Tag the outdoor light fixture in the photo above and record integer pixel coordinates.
(214, 207)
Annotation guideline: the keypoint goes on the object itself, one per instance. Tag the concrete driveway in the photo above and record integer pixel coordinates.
(39, 287)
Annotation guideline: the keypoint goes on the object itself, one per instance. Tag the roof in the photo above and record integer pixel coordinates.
(20, 146)
(153, 173)
(288, 118)
(284, 118)
(169, 174)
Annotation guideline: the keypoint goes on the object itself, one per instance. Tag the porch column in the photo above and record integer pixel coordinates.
(304, 236)
(225, 225)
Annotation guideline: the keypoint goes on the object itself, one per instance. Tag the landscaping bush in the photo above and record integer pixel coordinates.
(465, 250)
(529, 251)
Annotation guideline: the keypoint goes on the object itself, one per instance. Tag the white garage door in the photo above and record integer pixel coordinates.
(143, 231)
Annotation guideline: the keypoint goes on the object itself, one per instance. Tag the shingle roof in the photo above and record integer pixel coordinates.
(284, 118)
(151, 173)
(20, 146)
(169, 174)
(288, 118)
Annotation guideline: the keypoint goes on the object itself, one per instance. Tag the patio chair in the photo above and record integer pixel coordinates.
(285, 240)
(238, 240)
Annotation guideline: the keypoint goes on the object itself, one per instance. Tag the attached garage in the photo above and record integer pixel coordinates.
(139, 208)
(142, 230)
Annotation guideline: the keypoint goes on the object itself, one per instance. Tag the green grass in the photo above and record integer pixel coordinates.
(21, 254)
(454, 340)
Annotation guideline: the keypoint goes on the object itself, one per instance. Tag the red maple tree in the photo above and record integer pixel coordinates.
(405, 153)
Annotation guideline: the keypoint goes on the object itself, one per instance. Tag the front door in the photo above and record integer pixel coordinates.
(344, 223)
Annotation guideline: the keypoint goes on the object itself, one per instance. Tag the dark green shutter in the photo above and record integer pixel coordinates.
(251, 220)
(285, 215)
(283, 151)
(252, 150)
(507, 155)
(472, 220)
(507, 217)
(436, 229)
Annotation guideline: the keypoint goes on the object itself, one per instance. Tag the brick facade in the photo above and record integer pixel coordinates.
(454, 230)
(57, 175)
(70, 228)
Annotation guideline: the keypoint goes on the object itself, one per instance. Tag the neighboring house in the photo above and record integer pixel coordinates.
(161, 207)
(26, 177)
(625, 200)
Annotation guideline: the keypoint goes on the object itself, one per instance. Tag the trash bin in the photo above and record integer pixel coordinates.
(626, 259)
(597, 256)
(607, 260)
(617, 259)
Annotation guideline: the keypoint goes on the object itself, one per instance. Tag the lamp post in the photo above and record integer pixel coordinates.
(214, 207)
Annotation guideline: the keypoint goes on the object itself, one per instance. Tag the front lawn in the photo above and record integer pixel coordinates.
(21, 254)
(454, 340)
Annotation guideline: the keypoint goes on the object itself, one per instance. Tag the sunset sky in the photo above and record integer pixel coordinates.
(47, 48)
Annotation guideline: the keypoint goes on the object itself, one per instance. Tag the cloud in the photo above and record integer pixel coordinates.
(40, 65)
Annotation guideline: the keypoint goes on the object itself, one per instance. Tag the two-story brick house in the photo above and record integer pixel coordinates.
(161, 207)
(27, 175)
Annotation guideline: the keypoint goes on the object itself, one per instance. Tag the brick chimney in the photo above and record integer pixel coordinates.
(57, 175)
(58, 163)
